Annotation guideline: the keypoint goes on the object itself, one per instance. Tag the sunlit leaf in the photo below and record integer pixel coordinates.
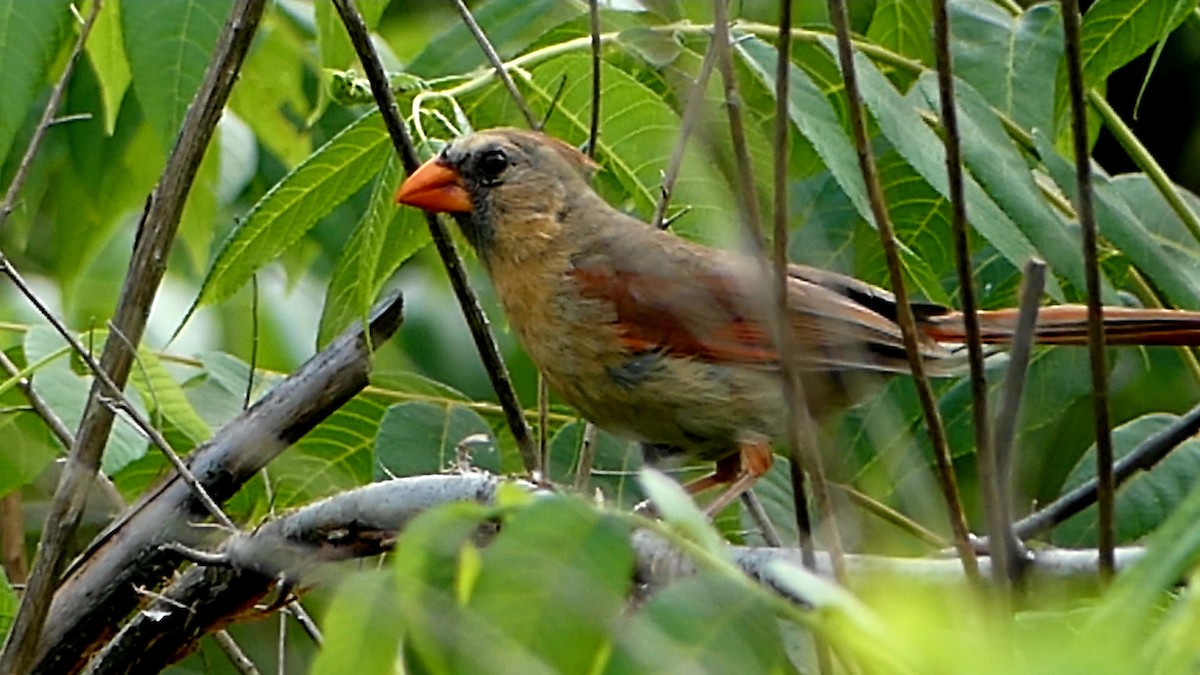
(324, 180)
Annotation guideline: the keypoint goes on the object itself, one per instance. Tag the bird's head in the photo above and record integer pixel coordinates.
(500, 184)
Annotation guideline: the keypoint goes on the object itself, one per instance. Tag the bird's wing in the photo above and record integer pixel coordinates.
(716, 308)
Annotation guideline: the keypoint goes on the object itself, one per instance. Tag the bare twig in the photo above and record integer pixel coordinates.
(799, 423)
(47, 119)
(493, 58)
(98, 592)
(476, 320)
(986, 460)
(1087, 224)
(237, 657)
(12, 538)
(687, 121)
(155, 235)
(587, 452)
(1142, 458)
(543, 404)
(758, 514)
(891, 516)
(1006, 553)
(594, 126)
(904, 313)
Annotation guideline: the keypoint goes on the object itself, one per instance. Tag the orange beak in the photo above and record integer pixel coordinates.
(435, 187)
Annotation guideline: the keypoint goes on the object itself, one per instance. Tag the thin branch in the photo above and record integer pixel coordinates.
(156, 234)
(891, 516)
(64, 436)
(1087, 224)
(687, 122)
(1142, 458)
(904, 313)
(1007, 554)
(758, 514)
(47, 119)
(485, 344)
(1145, 161)
(543, 403)
(237, 657)
(98, 592)
(800, 427)
(986, 460)
(497, 64)
(587, 453)
(594, 125)
(12, 538)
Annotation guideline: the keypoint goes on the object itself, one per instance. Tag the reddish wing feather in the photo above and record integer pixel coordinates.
(700, 317)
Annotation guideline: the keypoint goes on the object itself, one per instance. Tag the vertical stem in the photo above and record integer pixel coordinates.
(792, 392)
(799, 421)
(477, 321)
(1004, 545)
(687, 121)
(904, 313)
(493, 58)
(156, 234)
(12, 538)
(1087, 224)
(594, 126)
(986, 460)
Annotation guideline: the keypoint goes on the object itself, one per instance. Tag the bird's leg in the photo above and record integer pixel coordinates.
(738, 471)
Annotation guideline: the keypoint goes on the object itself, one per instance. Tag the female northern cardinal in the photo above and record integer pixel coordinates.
(668, 342)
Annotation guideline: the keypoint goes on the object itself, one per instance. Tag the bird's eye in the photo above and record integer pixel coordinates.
(491, 166)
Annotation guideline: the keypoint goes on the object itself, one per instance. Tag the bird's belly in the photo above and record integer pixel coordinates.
(701, 408)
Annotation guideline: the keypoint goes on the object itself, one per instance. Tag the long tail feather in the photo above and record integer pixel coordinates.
(1067, 325)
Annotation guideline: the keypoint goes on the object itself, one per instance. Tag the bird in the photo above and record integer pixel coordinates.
(669, 342)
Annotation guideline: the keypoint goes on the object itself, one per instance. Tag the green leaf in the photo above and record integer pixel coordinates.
(1009, 60)
(270, 96)
(1003, 173)
(336, 455)
(66, 393)
(295, 204)
(509, 24)
(615, 463)
(421, 438)
(30, 35)
(886, 447)
(1115, 32)
(332, 41)
(362, 629)
(904, 27)
(818, 122)
(106, 49)
(707, 623)
(654, 47)
(427, 561)
(562, 614)
(8, 603)
(1162, 223)
(1172, 551)
(1123, 226)
(383, 240)
(28, 450)
(168, 45)
(1147, 499)
(162, 393)
(679, 511)
(901, 123)
(200, 211)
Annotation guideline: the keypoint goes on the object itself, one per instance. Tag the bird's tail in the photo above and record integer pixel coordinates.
(1067, 325)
